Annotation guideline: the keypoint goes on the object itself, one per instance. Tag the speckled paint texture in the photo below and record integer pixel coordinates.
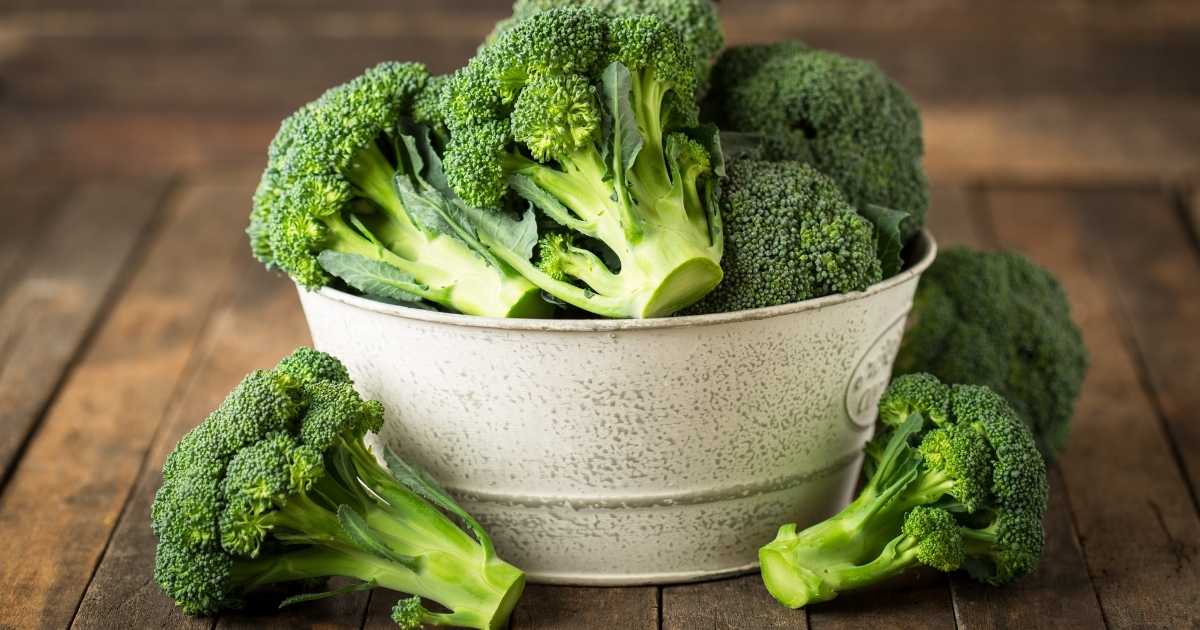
(626, 452)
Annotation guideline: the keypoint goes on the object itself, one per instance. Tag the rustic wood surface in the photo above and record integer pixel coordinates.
(131, 135)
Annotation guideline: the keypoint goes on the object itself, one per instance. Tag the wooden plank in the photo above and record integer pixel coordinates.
(1136, 521)
(732, 604)
(344, 612)
(65, 496)
(1061, 588)
(261, 323)
(1157, 276)
(573, 608)
(918, 599)
(26, 209)
(47, 313)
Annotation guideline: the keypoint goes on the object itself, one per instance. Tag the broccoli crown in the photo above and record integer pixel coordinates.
(966, 491)
(276, 485)
(842, 115)
(590, 117)
(331, 201)
(695, 21)
(789, 236)
(997, 319)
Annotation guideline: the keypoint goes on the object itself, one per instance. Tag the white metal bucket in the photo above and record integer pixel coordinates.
(631, 451)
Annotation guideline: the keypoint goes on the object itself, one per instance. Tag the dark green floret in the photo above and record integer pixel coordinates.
(842, 115)
(997, 319)
(695, 20)
(967, 489)
(589, 119)
(276, 485)
(789, 236)
(331, 202)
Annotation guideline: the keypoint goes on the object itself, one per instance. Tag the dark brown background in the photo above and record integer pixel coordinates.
(131, 134)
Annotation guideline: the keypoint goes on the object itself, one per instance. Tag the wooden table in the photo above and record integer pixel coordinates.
(131, 138)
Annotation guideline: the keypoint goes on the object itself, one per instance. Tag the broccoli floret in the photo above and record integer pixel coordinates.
(276, 485)
(583, 115)
(695, 20)
(997, 319)
(789, 236)
(966, 491)
(842, 115)
(331, 202)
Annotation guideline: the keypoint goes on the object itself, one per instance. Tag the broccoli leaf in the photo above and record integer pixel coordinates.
(888, 241)
(372, 277)
(356, 528)
(420, 482)
(312, 597)
(625, 139)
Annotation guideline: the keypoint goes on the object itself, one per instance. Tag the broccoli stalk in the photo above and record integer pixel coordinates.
(583, 116)
(330, 204)
(277, 486)
(969, 490)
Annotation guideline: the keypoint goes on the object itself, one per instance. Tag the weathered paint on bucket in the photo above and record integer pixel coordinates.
(630, 451)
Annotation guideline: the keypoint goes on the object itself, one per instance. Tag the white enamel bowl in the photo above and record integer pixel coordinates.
(631, 451)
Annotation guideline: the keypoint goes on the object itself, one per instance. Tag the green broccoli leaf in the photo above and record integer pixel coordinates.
(356, 528)
(420, 482)
(888, 241)
(372, 277)
(619, 119)
(312, 597)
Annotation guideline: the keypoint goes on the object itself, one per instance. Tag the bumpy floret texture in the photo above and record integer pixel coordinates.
(999, 320)
(789, 236)
(842, 115)
(695, 20)
(966, 491)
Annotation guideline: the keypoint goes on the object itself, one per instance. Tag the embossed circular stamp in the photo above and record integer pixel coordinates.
(870, 377)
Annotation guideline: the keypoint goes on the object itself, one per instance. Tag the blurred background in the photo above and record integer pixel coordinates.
(1064, 90)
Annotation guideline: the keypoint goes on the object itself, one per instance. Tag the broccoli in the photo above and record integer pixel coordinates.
(332, 202)
(999, 320)
(276, 485)
(842, 115)
(957, 483)
(789, 236)
(587, 117)
(695, 20)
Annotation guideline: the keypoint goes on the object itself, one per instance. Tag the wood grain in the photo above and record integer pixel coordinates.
(25, 211)
(61, 505)
(1135, 518)
(1157, 280)
(916, 600)
(571, 608)
(732, 604)
(67, 278)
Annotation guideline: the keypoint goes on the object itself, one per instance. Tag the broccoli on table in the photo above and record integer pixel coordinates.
(276, 485)
(583, 115)
(789, 236)
(997, 319)
(332, 202)
(957, 482)
(842, 115)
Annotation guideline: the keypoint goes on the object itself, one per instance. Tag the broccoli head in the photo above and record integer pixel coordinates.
(695, 20)
(276, 485)
(338, 199)
(590, 119)
(842, 115)
(997, 319)
(966, 490)
(789, 236)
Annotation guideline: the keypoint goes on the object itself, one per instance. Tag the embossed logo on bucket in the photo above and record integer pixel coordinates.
(871, 375)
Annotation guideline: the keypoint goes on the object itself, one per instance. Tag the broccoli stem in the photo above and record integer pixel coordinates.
(452, 273)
